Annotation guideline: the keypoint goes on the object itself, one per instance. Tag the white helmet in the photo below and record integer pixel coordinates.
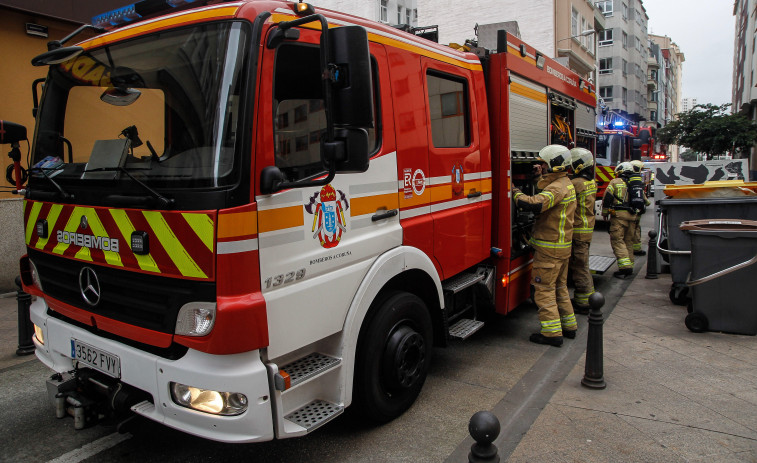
(637, 166)
(557, 157)
(580, 158)
(623, 168)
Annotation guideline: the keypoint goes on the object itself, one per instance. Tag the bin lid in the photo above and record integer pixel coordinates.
(714, 189)
(719, 225)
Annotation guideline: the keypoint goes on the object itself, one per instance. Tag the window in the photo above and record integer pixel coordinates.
(638, 44)
(384, 13)
(605, 37)
(653, 115)
(638, 18)
(584, 38)
(299, 112)
(399, 14)
(606, 93)
(624, 67)
(408, 19)
(605, 7)
(415, 16)
(625, 40)
(448, 106)
(625, 12)
(605, 65)
(574, 23)
(625, 96)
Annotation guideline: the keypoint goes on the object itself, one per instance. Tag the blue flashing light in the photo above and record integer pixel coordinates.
(177, 3)
(117, 17)
(619, 124)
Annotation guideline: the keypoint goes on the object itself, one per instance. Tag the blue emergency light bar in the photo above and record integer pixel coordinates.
(619, 124)
(135, 11)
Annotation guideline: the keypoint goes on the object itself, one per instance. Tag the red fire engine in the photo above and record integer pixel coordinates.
(242, 217)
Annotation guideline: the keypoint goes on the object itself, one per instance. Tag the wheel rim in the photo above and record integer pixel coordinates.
(404, 356)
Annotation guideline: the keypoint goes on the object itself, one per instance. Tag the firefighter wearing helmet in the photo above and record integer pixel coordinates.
(622, 219)
(582, 164)
(637, 250)
(555, 206)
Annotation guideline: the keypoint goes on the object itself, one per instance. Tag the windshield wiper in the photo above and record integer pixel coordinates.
(163, 202)
(64, 195)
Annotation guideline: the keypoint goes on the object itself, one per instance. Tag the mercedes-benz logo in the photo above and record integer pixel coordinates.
(83, 223)
(89, 286)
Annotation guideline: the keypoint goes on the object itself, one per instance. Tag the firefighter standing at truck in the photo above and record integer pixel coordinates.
(582, 163)
(555, 205)
(622, 219)
(636, 176)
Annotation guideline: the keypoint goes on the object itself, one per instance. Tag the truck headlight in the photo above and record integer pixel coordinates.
(39, 334)
(207, 401)
(36, 280)
(196, 319)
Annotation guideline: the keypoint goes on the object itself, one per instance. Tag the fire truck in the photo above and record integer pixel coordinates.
(243, 217)
(620, 143)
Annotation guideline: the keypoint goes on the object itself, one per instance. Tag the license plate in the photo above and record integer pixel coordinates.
(96, 358)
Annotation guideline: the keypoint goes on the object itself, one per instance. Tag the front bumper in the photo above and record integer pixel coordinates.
(243, 373)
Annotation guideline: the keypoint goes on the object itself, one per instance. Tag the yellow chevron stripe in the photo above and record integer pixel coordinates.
(203, 226)
(145, 262)
(180, 257)
(30, 224)
(52, 218)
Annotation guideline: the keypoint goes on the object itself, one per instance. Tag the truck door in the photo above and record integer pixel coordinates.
(316, 243)
(455, 166)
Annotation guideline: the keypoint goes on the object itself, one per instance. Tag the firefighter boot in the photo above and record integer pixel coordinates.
(570, 334)
(539, 338)
(623, 273)
(640, 252)
(580, 308)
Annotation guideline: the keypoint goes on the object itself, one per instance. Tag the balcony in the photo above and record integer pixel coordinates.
(651, 84)
(651, 105)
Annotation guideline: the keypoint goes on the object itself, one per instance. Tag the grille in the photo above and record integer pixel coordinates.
(146, 301)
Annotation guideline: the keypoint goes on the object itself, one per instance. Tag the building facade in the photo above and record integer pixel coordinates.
(561, 29)
(744, 97)
(687, 104)
(622, 52)
(672, 80)
(386, 11)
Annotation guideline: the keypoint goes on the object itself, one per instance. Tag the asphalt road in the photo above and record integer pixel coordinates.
(497, 369)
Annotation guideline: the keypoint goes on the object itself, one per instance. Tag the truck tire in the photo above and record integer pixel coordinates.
(393, 356)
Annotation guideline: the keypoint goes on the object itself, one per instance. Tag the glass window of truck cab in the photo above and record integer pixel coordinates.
(299, 111)
(167, 105)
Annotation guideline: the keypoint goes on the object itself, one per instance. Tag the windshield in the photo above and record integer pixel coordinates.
(165, 107)
(609, 149)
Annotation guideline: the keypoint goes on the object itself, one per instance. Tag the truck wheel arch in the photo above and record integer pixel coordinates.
(392, 271)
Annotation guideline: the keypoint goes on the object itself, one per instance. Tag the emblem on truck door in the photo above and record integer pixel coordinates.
(89, 286)
(327, 207)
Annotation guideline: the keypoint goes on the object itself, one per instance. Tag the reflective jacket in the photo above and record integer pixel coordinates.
(556, 206)
(583, 221)
(615, 200)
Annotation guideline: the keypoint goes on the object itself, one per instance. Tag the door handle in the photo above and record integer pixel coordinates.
(474, 194)
(384, 215)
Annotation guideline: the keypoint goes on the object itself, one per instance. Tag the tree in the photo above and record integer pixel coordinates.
(712, 130)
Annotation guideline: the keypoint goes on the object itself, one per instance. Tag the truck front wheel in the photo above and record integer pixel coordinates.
(393, 356)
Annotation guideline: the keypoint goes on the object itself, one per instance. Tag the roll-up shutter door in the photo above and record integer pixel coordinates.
(586, 120)
(529, 130)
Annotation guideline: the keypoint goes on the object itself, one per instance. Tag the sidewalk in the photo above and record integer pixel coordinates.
(9, 334)
(671, 396)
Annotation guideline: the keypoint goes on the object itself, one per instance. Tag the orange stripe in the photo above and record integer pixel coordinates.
(279, 219)
(486, 185)
(528, 92)
(237, 224)
(216, 13)
(371, 204)
(516, 52)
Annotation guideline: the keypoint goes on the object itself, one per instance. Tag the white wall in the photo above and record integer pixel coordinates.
(12, 245)
(456, 21)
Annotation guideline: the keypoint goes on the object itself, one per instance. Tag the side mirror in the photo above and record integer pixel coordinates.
(350, 66)
(348, 151)
(56, 56)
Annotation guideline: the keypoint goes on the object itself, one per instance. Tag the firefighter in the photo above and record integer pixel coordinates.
(637, 249)
(555, 206)
(622, 220)
(582, 163)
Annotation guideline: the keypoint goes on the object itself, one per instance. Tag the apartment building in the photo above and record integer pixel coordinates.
(386, 11)
(687, 104)
(744, 98)
(562, 29)
(623, 60)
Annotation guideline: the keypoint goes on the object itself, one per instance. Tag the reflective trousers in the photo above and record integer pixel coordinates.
(579, 269)
(637, 234)
(550, 279)
(621, 239)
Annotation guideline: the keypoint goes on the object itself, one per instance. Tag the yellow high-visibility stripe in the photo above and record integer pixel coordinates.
(528, 92)
(203, 226)
(173, 247)
(30, 224)
(52, 218)
(145, 262)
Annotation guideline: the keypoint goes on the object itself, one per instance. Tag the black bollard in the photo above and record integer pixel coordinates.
(25, 328)
(594, 371)
(483, 428)
(652, 256)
